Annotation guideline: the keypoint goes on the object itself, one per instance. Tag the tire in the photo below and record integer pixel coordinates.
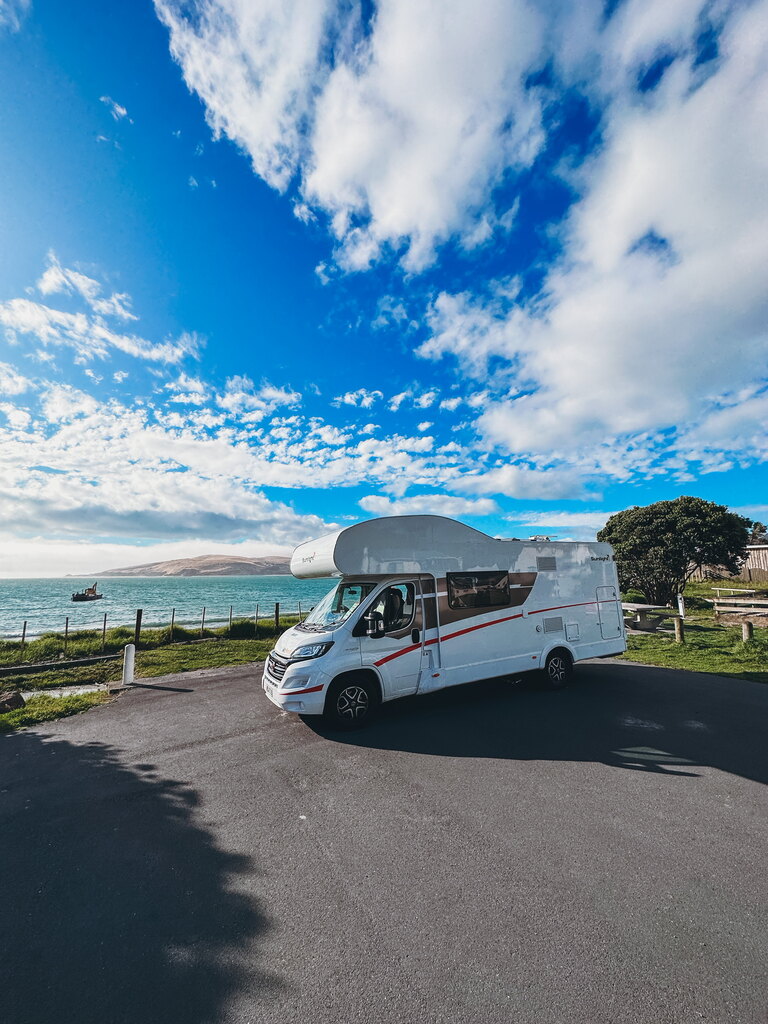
(351, 703)
(558, 669)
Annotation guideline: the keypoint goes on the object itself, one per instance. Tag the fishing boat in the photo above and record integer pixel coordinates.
(89, 594)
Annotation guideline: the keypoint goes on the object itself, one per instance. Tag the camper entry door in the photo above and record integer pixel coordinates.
(398, 654)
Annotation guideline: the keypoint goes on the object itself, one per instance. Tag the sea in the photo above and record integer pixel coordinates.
(46, 604)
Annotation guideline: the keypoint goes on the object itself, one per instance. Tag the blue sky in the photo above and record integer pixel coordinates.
(273, 266)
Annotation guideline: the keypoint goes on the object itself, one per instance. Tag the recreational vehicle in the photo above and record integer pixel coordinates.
(425, 602)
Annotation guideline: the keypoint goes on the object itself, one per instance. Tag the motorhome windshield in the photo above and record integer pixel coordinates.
(336, 606)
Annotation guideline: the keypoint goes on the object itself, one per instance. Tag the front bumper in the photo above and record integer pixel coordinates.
(300, 689)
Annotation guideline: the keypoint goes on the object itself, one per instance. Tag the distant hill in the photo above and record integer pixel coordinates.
(204, 565)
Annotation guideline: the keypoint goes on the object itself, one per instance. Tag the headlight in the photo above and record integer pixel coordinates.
(311, 651)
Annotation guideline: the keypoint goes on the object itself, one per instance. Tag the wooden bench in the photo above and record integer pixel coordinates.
(647, 617)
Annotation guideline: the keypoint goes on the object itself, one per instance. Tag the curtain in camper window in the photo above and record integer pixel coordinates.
(478, 589)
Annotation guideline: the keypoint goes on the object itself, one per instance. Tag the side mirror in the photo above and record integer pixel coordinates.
(374, 625)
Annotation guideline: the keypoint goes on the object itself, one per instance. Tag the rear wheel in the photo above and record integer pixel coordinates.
(351, 703)
(558, 669)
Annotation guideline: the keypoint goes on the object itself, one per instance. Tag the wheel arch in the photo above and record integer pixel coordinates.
(559, 645)
(358, 673)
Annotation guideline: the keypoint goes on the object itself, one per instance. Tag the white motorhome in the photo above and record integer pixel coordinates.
(426, 602)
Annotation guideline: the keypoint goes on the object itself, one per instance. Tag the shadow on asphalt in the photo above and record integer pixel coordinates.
(633, 717)
(116, 906)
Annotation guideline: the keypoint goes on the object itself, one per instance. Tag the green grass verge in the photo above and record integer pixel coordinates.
(45, 708)
(159, 661)
(187, 657)
(84, 643)
(708, 648)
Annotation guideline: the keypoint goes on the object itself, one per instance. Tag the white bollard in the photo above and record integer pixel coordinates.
(129, 659)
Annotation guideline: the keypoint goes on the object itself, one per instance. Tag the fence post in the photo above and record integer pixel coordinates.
(104, 633)
(137, 630)
(23, 639)
(129, 661)
(747, 631)
(202, 623)
(66, 633)
(229, 632)
(679, 631)
(170, 628)
(277, 616)
(256, 621)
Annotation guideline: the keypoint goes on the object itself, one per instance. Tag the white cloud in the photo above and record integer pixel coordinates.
(424, 425)
(12, 13)
(658, 309)
(256, 67)
(89, 337)
(398, 142)
(250, 404)
(88, 334)
(523, 482)
(187, 390)
(11, 381)
(362, 398)
(588, 520)
(428, 504)
(425, 399)
(117, 111)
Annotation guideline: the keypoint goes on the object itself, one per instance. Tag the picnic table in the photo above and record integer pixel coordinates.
(734, 590)
(647, 617)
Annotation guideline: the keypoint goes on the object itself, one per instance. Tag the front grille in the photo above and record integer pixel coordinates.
(277, 667)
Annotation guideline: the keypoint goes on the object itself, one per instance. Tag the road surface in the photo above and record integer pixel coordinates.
(488, 854)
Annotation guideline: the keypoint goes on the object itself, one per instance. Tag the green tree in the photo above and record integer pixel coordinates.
(659, 546)
(758, 534)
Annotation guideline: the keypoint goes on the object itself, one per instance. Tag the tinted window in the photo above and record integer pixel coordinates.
(478, 589)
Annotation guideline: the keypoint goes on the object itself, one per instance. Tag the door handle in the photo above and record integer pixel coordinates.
(415, 636)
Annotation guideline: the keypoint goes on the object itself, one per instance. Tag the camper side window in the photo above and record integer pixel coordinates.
(478, 589)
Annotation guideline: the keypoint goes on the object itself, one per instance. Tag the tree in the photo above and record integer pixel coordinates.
(659, 546)
(758, 534)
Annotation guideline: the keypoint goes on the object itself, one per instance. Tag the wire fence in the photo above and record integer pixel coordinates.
(260, 622)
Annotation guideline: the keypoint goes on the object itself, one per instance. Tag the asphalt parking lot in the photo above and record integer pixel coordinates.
(492, 853)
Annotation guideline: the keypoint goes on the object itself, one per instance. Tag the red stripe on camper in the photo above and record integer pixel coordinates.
(448, 636)
(310, 689)
(484, 625)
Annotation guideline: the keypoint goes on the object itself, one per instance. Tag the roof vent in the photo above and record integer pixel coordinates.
(546, 563)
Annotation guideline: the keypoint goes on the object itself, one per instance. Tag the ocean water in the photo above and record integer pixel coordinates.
(45, 604)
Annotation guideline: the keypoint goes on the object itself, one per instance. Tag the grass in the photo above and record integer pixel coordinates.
(709, 647)
(88, 642)
(46, 708)
(157, 661)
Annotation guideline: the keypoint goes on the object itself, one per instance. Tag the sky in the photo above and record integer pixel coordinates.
(270, 267)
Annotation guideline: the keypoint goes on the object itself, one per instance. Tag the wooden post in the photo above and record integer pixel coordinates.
(681, 605)
(137, 630)
(170, 628)
(277, 616)
(229, 632)
(23, 639)
(104, 633)
(256, 621)
(202, 623)
(66, 633)
(679, 631)
(747, 631)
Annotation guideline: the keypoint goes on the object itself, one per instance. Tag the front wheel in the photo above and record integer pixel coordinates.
(351, 703)
(557, 670)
